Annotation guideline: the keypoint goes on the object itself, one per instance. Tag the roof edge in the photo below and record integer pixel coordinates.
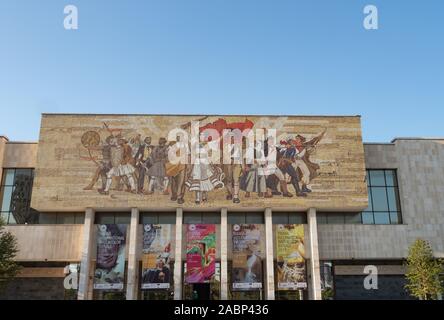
(22, 142)
(415, 138)
(198, 114)
(379, 143)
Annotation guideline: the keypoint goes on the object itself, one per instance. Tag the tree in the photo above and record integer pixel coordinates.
(8, 249)
(423, 271)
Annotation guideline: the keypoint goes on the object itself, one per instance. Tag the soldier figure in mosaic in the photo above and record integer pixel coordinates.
(233, 172)
(177, 172)
(91, 141)
(157, 173)
(286, 158)
(122, 164)
(306, 169)
(276, 177)
(143, 163)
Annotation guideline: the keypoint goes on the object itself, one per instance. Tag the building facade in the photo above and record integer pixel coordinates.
(216, 207)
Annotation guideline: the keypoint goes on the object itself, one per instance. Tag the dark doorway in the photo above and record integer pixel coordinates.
(201, 291)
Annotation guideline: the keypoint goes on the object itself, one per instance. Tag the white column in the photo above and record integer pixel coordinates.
(178, 256)
(315, 283)
(131, 282)
(223, 254)
(88, 229)
(269, 268)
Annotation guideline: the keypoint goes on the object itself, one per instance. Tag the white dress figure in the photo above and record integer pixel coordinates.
(204, 176)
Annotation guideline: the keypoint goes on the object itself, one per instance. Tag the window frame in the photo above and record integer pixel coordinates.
(113, 216)
(156, 217)
(396, 192)
(201, 216)
(8, 214)
(245, 217)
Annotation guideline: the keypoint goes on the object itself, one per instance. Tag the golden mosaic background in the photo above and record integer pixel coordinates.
(63, 171)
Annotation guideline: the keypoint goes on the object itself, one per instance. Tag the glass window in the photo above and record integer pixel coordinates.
(382, 218)
(4, 216)
(297, 218)
(367, 218)
(384, 201)
(211, 217)
(65, 218)
(321, 218)
(202, 217)
(280, 218)
(395, 218)
(23, 173)
(167, 217)
(289, 218)
(254, 217)
(393, 198)
(379, 197)
(60, 218)
(6, 195)
(246, 217)
(149, 218)
(11, 219)
(377, 178)
(15, 195)
(104, 218)
(370, 200)
(79, 218)
(122, 218)
(335, 218)
(352, 218)
(192, 217)
(236, 218)
(390, 178)
(8, 177)
(47, 218)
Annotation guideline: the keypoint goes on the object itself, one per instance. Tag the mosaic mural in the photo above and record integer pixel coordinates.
(199, 161)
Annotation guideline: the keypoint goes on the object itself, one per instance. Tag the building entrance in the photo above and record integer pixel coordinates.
(201, 291)
(205, 290)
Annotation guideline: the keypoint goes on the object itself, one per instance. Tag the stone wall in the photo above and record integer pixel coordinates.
(420, 170)
(20, 155)
(34, 289)
(48, 242)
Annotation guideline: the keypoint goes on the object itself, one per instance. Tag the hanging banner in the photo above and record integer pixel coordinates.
(110, 264)
(156, 253)
(290, 257)
(247, 264)
(201, 252)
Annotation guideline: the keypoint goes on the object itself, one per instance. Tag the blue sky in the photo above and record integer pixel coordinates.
(225, 56)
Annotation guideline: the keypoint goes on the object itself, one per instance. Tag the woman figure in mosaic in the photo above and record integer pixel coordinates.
(204, 176)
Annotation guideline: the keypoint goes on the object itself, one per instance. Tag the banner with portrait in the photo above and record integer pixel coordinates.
(110, 263)
(156, 254)
(290, 249)
(247, 263)
(201, 253)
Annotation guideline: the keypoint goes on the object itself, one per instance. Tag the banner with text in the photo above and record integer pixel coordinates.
(110, 264)
(156, 273)
(247, 264)
(290, 257)
(201, 252)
